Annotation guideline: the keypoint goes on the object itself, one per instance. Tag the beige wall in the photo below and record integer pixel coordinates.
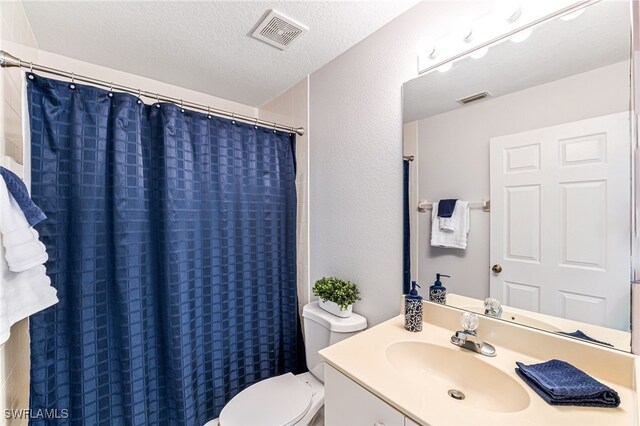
(292, 108)
(445, 173)
(14, 354)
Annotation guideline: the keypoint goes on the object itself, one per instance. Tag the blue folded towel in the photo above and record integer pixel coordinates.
(446, 207)
(580, 335)
(560, 383)
(19, 192)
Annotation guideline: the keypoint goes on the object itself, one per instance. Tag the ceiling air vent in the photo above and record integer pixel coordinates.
(278, 30)
(473, 98)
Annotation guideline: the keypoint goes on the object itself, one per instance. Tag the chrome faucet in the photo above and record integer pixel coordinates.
(468, 339)
(492, 307)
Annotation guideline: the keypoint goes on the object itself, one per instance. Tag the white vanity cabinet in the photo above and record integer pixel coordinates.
(349, 404)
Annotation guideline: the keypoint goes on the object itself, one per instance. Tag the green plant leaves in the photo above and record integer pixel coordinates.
(341, 292)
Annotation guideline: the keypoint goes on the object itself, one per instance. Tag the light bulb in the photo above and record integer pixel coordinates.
(479, 53)
(507, 11)
(572, 15)
(521, 36)
(445, 67)
(426, 46)
(462, 29)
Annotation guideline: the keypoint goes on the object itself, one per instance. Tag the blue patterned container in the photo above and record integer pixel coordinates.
(413, 309)
(438, 292)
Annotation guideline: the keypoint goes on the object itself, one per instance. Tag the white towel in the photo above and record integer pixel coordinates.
(25, 287)
(23, 248)
(447, 224)
(459, 221)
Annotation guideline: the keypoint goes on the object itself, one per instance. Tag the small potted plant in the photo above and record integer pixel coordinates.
(336, 296)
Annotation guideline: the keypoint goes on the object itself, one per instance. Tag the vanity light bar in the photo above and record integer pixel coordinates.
(495, 28)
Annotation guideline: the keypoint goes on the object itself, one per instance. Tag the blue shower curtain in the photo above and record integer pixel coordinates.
(171, 241)
(406, 228)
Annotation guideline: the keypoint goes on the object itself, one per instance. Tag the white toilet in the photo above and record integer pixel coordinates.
(287, 399)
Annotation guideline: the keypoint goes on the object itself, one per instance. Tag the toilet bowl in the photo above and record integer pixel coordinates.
(287, 399)
(283, 400)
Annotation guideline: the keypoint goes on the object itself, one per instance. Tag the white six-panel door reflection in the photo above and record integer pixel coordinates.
(560, 220)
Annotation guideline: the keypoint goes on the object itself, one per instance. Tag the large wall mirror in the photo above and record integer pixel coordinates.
(535, 136)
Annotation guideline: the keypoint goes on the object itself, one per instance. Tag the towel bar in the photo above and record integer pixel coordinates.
(424, 206)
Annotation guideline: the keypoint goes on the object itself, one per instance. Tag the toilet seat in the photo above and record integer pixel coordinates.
(278, 401)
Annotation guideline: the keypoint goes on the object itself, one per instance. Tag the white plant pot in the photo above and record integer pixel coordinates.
(334, 309)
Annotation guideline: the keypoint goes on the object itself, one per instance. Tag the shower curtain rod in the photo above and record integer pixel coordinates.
(7, 60)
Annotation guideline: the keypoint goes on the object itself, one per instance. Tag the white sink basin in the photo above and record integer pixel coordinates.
(443, 369)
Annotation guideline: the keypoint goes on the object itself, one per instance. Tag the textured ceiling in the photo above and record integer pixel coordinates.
(206, 46)
(598, 37)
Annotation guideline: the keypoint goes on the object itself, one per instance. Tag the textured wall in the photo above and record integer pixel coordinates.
(356, 155)
(292, 108)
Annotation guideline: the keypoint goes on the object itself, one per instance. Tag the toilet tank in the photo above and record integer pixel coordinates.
(322, 329)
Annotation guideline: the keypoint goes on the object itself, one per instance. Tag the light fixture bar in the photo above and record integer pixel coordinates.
(535, 14)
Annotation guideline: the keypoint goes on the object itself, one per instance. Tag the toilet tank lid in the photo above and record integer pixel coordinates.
(314, 312)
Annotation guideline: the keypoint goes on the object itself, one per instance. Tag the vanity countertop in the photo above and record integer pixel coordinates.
(363, 358)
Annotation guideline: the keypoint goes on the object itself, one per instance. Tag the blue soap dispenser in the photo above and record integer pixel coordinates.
(438, 292)
(413, 309)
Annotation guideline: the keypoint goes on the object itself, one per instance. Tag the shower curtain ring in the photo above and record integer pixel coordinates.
(157, 100)
(139, 101)
(233, 118)
(31, 71)
(73, 80)
(208, 112)
(255, 124)
(111, 89)
(274, 127)
(181, 105)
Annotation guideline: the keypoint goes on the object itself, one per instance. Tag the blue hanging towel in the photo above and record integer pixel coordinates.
(560, 383)
(19, 192)
(580, 335)
(446, 207)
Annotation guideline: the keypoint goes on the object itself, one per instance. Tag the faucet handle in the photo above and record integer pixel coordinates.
(492, 307)
(469, 322)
